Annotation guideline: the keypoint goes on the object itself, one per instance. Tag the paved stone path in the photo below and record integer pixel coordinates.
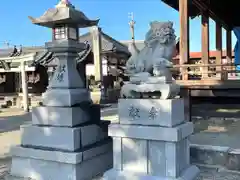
(215, 174)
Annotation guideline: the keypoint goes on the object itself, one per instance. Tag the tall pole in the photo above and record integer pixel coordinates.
(24, 87)
(132, 23)
(132, 46)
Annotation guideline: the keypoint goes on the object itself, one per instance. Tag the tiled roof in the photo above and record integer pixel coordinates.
(43, 57)
(108, 43)
(5, 52)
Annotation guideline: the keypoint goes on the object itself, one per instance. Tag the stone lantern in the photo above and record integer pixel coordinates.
(65, 20)
(66, 139)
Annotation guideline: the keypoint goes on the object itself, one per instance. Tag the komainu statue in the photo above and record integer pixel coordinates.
(149, 70)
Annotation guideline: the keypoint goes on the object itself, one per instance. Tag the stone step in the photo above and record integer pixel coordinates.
(225, 158)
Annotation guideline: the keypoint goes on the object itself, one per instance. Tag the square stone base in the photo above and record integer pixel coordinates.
(36, 169)
(190, 173)
(36, 164)
(157, 158)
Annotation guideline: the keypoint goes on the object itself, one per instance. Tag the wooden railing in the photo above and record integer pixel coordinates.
(203, 71)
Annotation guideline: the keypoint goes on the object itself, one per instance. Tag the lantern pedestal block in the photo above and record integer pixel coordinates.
(67, 140)
(63, 143)
(39, 164)
(65, 97)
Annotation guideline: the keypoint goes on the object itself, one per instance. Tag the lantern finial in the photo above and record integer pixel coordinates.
(64, 3)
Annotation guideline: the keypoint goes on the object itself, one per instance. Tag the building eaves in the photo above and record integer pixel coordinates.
(108, 43)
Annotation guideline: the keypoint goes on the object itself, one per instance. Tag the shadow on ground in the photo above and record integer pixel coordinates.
(109, 111)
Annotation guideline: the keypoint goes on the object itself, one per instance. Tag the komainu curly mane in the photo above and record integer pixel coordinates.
(161, 32)
(159, 47)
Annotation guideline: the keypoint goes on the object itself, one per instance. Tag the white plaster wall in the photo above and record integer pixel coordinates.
(90, 68)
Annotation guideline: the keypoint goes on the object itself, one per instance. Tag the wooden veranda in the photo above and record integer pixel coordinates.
(207, 74)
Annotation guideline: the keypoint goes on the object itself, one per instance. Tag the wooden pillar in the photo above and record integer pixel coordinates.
(97, 53)
(229, 48)
(205, 43)
(184, 36)
(24, 87)
(97, 48)
(229, 45)
(219, 50)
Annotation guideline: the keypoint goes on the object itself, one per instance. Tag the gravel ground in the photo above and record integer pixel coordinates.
(4, 166)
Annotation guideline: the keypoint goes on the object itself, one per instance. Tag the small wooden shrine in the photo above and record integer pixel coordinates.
(10, 76)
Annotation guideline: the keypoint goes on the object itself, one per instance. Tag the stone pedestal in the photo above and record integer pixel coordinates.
(66, 139)
(150, 141)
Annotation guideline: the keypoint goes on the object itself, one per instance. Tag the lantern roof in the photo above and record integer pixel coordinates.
(63, 13)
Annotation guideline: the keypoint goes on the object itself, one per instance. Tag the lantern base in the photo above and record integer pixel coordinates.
(65, 97)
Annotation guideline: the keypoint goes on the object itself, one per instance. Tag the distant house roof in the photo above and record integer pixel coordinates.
(139, 43)
(212, 54)
(193, 55)
(25, 50)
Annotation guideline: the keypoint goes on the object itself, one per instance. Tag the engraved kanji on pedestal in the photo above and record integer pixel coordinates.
(133, 112)
(153, 113)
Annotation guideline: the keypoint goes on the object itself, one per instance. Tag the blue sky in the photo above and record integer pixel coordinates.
(17, 29)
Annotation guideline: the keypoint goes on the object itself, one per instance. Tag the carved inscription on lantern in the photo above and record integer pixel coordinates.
(60, 73)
